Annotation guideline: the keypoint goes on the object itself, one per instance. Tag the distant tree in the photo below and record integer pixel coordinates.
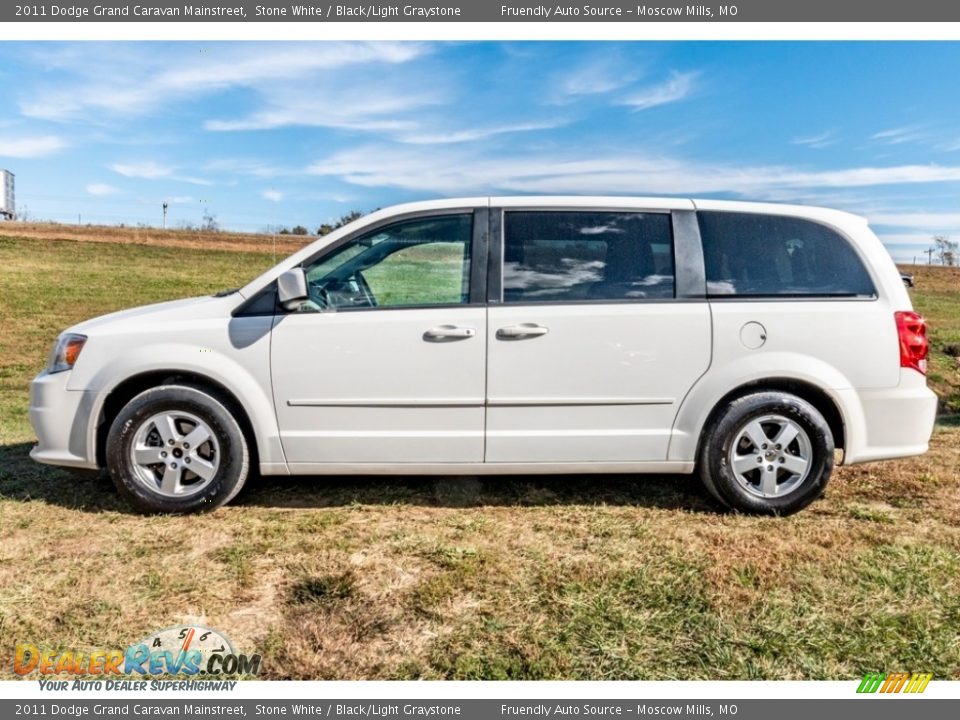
(327, 228)
(283, 231)
(946, 249)
(349, 218)
(210, 223)
(299, 230)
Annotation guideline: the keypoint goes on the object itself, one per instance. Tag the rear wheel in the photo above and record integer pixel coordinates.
(768, 453)
(177, 448)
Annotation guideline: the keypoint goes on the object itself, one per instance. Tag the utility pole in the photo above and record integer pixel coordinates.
(929, 252)
(165, 206)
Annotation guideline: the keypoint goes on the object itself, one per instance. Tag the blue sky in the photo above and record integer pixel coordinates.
(276, 134)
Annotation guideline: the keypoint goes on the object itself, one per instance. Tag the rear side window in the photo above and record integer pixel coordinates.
(587, 256)
(752, 255)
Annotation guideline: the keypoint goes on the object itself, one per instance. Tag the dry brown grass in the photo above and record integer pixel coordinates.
(561, 577)
(933, 278)
(155, 237)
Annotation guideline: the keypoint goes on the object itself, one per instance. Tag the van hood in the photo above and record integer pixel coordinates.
(194, 308)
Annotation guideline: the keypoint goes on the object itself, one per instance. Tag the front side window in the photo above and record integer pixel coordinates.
(420, 262)
(587, 256)
(754, 255)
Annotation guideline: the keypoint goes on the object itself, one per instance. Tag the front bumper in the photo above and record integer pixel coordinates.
(63, 421)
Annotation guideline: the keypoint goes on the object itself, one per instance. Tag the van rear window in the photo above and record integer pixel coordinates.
(754, 255)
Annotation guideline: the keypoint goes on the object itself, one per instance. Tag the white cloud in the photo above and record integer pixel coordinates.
(862, 177)
(272, 119)
(150, 170)
(934, 221)
(372, 107)
(246, 166)
(180, 200)
(595, 78)
(455, 170)
(900, 135)
(284, 62)
(272, 195)
(147, 169)
(677, 88)
(920, 241)
(152, 79)
(102, 189)
(30, 147)
(472, 134)
(819, 141)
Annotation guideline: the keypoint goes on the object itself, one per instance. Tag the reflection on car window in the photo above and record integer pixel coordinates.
(419, 262)
(587, 256)
(747, 254)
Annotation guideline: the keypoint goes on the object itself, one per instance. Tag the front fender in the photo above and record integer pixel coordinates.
(243, 372)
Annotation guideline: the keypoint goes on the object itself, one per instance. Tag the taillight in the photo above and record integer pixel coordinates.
(912, 331)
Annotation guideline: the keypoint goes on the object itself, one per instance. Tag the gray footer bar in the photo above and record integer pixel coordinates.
(874, 707)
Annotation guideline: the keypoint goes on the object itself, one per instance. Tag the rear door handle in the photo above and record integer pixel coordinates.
(441, 333)
(522, 331)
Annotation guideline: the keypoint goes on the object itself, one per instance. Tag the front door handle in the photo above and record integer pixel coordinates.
(442, 333)
(521, 332)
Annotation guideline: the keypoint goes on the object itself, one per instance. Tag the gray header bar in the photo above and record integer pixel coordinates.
(481, 11)
(546, 709)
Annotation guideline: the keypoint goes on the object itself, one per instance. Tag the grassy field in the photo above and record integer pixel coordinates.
(568, 577)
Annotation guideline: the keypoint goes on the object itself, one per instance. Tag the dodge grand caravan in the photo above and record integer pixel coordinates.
(744, 342)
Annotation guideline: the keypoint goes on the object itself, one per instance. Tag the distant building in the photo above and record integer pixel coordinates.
(8, 204)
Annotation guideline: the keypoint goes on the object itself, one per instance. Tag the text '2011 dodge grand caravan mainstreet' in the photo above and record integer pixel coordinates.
(743, 341)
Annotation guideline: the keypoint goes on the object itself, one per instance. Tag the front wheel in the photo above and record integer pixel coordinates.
(768, 453)
(178, 449)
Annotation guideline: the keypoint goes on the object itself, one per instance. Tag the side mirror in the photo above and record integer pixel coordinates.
(292, 289)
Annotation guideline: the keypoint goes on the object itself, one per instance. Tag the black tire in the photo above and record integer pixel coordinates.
(232, 452)
(722, 482)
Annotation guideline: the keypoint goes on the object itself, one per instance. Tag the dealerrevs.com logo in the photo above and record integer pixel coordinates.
(894, 682)
(178, 651)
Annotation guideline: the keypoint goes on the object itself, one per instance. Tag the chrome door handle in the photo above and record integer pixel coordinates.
(522, 331)
(448, 332)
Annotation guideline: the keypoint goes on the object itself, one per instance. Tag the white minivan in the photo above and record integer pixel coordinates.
(742, 341)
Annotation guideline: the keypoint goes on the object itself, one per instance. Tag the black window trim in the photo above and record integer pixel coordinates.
(486, 271)
(693, 286)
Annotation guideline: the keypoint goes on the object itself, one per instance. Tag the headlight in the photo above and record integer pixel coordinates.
(66, 350)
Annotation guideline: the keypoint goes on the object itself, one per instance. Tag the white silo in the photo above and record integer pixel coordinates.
(8, 204)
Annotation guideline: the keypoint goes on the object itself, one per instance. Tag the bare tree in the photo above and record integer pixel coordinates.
(327, 228)
(210, 223)
(946, 249)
